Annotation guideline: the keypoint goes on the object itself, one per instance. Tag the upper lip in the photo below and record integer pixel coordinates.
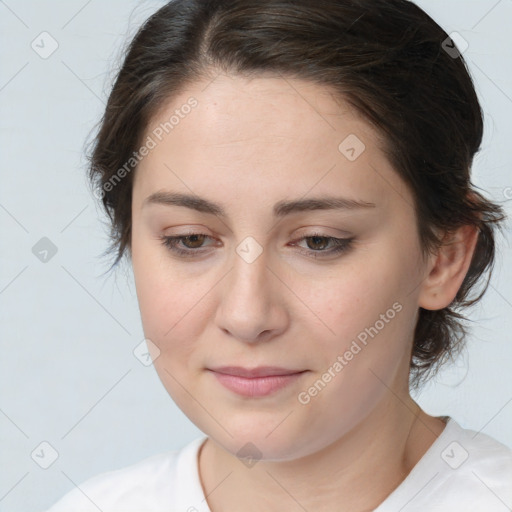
(260, 371)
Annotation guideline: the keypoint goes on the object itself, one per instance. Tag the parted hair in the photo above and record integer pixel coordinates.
(388, 58)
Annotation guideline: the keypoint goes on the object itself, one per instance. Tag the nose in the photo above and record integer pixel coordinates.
(251, 305)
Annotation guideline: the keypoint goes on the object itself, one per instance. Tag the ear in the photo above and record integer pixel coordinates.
(448, 268)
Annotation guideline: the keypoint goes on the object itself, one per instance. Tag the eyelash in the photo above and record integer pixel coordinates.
(340, 245)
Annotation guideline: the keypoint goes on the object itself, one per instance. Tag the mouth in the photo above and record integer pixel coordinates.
(255, 382)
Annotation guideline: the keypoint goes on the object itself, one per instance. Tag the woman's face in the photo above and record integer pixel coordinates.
(264, 283)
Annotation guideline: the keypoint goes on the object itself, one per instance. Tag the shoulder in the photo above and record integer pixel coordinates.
(462, 470)
(148, 485)
(469, 452)
(479, 449)
(475, 471)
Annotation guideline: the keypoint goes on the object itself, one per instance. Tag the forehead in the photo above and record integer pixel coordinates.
(264, 108)
(267, 136)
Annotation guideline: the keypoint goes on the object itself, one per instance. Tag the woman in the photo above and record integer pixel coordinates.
(291, 183)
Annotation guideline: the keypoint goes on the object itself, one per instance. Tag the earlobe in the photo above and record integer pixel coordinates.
(448, 268)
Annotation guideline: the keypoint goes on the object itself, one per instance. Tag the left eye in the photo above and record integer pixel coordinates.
(317, 243)
(193, 244)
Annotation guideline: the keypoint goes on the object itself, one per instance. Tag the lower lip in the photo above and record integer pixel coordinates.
(258, 386)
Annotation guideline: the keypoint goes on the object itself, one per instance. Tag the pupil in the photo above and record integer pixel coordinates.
(318, 239)
(193, 239)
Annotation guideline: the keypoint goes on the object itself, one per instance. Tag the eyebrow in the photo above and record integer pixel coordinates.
(281, 209)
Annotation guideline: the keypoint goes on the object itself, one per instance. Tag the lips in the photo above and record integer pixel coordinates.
(255, 382)
(261, 371)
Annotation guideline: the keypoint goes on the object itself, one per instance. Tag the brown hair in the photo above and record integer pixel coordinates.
(387, 58)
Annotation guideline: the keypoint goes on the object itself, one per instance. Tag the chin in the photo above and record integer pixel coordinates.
(259, 438)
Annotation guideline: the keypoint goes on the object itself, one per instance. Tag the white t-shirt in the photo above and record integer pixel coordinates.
(462, 471)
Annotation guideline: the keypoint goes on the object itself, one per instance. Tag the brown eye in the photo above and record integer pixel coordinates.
(320, 246)
(193, 241)
(186, 245)
(318, 242)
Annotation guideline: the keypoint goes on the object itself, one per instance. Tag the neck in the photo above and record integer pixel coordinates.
(357, 472)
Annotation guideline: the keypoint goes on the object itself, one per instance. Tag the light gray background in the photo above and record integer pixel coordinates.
(68, 374)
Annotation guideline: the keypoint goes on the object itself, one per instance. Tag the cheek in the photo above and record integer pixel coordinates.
(173, 317)
(367, 318)
(370, 347)
(170, 301)
(357, 297)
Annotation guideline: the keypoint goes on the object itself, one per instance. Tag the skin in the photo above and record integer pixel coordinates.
(248, 145)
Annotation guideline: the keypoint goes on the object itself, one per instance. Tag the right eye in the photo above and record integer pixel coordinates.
(192, 242)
